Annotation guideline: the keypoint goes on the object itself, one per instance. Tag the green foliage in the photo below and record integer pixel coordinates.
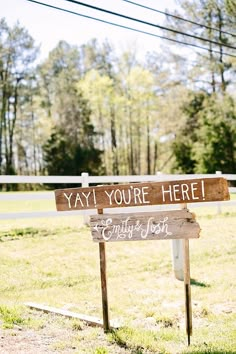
(216, 145)
(64, 157)
(137, 340)
(85, 109)
(62, 270)
(10, 316)
(182, 148)
(101, 350)
(16, 234)
(187, 136)
(71, 147)
(17, 54)
(207, 141)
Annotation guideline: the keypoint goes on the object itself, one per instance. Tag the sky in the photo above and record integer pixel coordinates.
(49, 26)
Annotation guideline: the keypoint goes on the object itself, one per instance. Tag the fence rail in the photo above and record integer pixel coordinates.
(85, 180)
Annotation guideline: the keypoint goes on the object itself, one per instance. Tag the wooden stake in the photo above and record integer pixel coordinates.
(105, 311)
(187, 287)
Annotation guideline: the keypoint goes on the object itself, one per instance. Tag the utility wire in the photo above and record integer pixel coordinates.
(129, 28)
(150, 24)
(180, 18)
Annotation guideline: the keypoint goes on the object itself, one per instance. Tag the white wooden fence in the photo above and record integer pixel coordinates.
(85, 180)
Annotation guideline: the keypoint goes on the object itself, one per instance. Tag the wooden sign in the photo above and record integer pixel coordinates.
(164, 225)
(175, 224)
(137, 194)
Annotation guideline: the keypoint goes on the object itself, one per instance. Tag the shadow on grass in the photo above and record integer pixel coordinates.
(28, 232)
(116, 337)
(199, 283)
(122, 337)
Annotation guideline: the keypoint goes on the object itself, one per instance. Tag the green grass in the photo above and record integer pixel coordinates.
(54, 262)
(10, 316)
(26, 205)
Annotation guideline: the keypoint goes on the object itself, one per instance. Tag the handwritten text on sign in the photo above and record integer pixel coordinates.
(136, 194)
(144, 226)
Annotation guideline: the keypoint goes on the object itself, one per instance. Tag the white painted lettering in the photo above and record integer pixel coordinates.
(118, 196)
(106, 235)
(68, 198)
(78, 199)
(184, 189)
(194, 189)
(86, 197)
(125, 193)
(126, 230)
(166, 191)
(144, 194)
(203, 190)
(109, 196)
(175, 191)
(144, 232)
(94, 198)
(137, 193)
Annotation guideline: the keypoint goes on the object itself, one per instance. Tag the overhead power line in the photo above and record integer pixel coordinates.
(180, 18)
(129, 28)
(151, 24)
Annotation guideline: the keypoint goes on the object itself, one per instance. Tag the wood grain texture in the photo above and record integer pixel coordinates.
(90, 320)
(137, 194)
(175, 224)
(103, 274)
(187, 290)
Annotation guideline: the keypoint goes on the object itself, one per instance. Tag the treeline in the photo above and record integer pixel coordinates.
(85, 109)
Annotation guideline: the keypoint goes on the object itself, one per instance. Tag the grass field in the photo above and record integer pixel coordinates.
(54, 262)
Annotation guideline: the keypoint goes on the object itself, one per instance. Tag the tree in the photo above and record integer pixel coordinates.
(206, 143)
(63, 157)
(17, 54)
(96, 56)
(188, 134)
(211, 71)
(71, 148)
(215, 148)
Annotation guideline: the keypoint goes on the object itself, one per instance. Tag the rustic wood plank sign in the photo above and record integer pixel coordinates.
(164, 225)
(175, 224)
(137, 194)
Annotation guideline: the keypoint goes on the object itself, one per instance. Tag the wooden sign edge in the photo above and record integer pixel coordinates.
(186, 214)
(223, 184)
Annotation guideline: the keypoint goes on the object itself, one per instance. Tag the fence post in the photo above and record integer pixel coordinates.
(85, 183)
(218, 173)
(178, 255)
(176, 251)
(177, 258)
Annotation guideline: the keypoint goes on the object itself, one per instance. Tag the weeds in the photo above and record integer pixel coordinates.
(58, 265)
(10, 316)
(101, 350)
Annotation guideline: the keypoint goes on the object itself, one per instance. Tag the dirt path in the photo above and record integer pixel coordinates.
(22, 341)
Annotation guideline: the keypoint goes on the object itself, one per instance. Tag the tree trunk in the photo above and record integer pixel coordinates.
(155, 158)
(3, 115)
(131, 150)
(211, 57)
(148, 146)
(115, 163)
(222, 67)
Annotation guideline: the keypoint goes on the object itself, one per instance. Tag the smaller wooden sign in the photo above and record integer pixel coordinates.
(174, 224)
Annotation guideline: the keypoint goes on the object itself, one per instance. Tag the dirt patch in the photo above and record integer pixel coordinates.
(31, 341)
(58, 335)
